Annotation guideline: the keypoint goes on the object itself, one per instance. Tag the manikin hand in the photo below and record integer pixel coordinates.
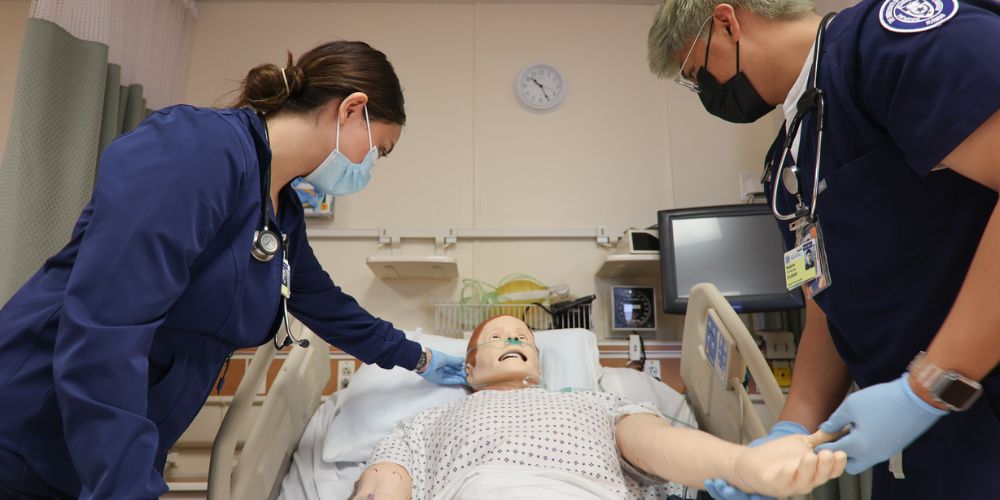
(719, 489)
(384, 481)
(785, 466)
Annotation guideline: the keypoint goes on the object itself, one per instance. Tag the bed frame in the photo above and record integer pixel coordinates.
(291, 402)
(721, 404)
(714, 380)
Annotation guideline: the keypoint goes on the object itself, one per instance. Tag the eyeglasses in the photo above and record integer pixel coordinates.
(683, 80)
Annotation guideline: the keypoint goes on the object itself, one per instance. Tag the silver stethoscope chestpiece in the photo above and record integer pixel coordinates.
(269, 242)
(790, 178)
(265, 245)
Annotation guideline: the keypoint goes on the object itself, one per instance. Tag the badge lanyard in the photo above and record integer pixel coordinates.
(806, 263)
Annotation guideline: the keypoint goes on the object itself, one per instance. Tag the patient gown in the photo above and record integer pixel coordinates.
(521, 443)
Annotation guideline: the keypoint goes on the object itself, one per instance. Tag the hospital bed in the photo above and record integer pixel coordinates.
(716, 353)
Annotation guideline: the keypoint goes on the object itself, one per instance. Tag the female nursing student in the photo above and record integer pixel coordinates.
(110, 350)
(896, 160)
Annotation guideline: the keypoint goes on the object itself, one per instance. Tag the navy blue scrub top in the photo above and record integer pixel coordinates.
(899, 236)
(110, 350)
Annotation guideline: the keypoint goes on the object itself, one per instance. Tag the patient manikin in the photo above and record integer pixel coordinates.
(513, 439)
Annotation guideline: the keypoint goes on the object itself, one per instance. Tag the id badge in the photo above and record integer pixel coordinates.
(286, 278)
(806, 263)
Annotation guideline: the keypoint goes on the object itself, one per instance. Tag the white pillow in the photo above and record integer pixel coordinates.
(638, 387)
(570, 359)
(377, 399)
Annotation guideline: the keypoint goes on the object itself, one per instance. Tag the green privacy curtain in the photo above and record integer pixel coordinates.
(68, 105)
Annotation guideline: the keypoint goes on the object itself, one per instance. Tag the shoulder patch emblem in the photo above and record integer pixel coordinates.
(913, 16)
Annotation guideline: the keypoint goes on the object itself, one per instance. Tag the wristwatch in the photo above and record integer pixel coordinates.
(421, 361)
(948, 387)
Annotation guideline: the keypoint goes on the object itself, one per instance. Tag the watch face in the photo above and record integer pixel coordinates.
(958, 393)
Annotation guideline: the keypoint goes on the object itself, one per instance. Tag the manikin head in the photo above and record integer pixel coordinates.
(502, 356)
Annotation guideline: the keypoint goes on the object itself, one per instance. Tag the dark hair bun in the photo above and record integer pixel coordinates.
(266, 88)
(330, 71)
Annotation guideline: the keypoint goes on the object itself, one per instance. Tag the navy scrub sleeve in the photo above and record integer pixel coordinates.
(930, 90)
(338, 318)
(154, 210)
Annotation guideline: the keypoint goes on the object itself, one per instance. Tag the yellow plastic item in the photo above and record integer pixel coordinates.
(519, 289)
(782, 369)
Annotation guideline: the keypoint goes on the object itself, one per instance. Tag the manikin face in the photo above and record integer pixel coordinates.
(504, 356)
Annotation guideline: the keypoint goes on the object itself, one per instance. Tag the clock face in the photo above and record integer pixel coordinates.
(540, 86)
(633, 308)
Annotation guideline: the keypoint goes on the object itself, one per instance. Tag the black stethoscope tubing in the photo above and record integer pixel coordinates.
(266, 243)
(812, 99)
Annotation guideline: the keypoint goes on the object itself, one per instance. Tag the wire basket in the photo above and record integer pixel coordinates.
(452, 320)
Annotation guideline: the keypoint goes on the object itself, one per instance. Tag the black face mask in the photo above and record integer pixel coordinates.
(735, 101)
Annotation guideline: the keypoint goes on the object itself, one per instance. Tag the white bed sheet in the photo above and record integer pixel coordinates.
(312, 478)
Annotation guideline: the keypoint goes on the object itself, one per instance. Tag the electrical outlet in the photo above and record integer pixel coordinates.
(635, 347)
(749, 185)
(779, 345)
(652, 368)
(345, 370)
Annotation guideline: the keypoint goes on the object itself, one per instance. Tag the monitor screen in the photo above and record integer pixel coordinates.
(737, 248)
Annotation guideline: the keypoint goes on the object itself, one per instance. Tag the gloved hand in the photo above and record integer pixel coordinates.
(785, 466)
(719, 489)
(444, 369)
(884, 419)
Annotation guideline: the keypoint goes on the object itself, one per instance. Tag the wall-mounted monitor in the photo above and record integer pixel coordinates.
(738, 248)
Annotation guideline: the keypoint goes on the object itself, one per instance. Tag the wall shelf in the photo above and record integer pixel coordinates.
(617, 266)
(394, 267)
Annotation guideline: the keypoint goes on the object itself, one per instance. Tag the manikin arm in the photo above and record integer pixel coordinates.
(785, 466)
(384, 481)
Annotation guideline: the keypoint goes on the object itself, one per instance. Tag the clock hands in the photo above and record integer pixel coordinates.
(546, 94)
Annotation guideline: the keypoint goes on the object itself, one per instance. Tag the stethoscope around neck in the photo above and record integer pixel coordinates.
(267, 243)
(811, 100)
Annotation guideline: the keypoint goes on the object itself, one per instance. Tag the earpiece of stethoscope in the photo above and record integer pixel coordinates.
(289, 338)
(303, 343)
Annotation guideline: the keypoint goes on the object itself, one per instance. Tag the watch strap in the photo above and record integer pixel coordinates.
(421, 361)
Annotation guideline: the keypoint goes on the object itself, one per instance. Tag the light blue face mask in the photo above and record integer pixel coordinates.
(337, 175)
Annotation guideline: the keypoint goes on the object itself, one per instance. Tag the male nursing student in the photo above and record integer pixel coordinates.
(890, 172)
(192, 246)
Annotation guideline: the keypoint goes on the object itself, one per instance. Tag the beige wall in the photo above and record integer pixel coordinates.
(13, 14)
(621, 146)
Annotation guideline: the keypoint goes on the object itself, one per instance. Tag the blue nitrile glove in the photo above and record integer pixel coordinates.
(719, 489)
(884, 419)
(444, 368)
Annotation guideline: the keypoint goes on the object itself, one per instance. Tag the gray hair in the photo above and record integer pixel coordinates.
(677, 21)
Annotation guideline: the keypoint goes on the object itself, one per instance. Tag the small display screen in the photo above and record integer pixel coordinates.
(737, 248)
(740, 255)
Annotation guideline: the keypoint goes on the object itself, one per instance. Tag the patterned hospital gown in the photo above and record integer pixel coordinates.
(533, 428)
